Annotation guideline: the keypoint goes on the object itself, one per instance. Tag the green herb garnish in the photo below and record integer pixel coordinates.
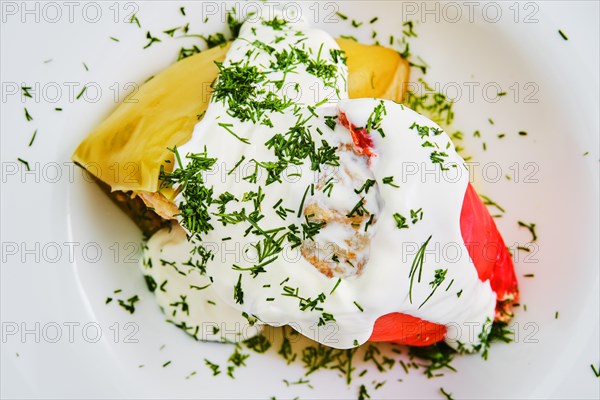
(562, 34)
(32, 138)
(400, 221)
(28, 116)
(151, 40)
(214, 367)
(25, 163)
(417, 264)
(438, 279)
(530, 228)
(447, 395)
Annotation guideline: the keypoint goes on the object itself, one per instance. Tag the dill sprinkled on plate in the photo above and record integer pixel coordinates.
(400, 221)
(32, 138)
(171, 32)
(363, 393)
(489, 202)
(134, 20)
(416, 215)
(359, 307)
(191, 374)
(447, 395)
(81, 93)
(435, 358)
(214, 40)
(28, 116)
(349, 37)
(25, 90)
(185, 52)
(423, 66)
(530, 228)
(151, 40)
(214, 367)
(25, 163)
(129, 304)
(259, 343)
(298, 382)
(562, 34)
(493, 332)
(236, 360)
(409, 31)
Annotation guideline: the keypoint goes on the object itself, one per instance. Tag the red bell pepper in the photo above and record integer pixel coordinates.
(493, 262)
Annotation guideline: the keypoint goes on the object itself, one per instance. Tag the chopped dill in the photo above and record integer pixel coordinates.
(447, 395)
(562, 34)
(32, 138)
(531, 228)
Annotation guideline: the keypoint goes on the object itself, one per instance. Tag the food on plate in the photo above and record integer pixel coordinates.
(282, 182)
(126, 151)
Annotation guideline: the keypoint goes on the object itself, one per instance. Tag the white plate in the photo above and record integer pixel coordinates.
(552, 87)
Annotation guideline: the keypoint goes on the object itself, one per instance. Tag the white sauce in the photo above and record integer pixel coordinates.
(383, 285)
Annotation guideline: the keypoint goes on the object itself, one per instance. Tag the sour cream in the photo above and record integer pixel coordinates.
(370, 214)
